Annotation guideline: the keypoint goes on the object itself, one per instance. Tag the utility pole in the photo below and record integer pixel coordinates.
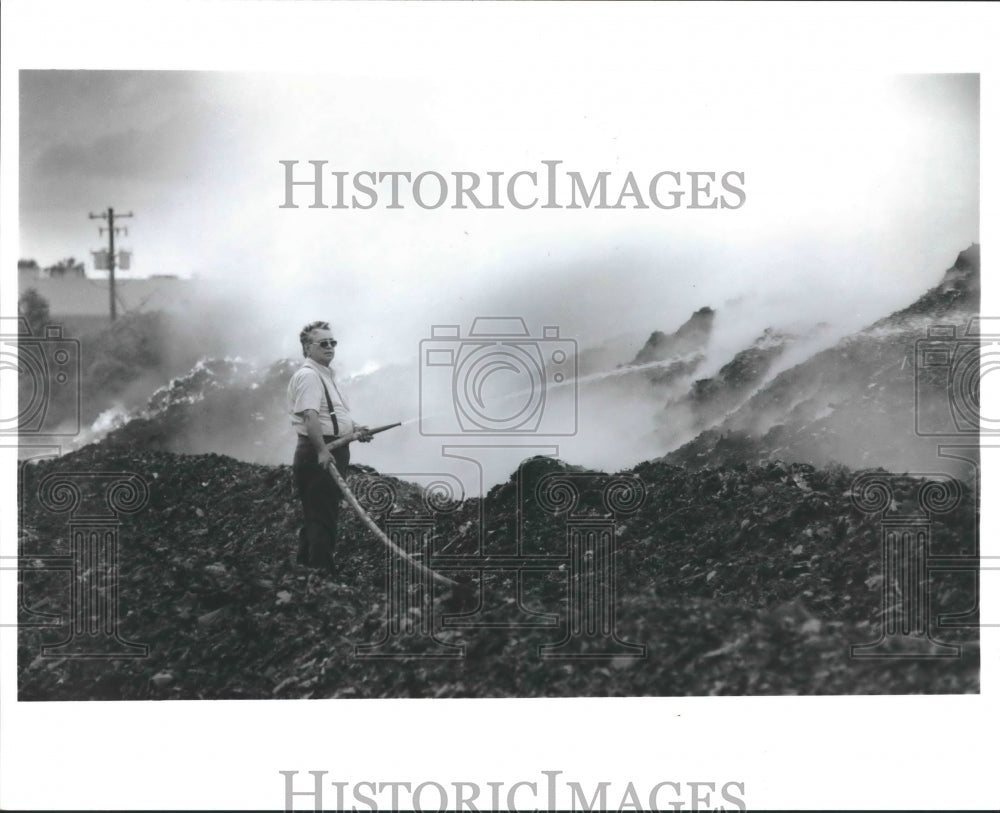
(109, 216)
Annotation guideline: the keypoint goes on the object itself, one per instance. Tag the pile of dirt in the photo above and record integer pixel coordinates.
(734, 572)
(227, 405)
(870, 400)
(755, 579)
(690, 338)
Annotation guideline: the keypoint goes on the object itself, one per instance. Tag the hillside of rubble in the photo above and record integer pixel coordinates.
(751, 559)
(871, 399)
(748, 580)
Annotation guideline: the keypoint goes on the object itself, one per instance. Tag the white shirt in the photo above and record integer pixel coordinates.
(306, 391)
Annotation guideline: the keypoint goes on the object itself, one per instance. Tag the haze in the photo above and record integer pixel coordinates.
(860, 192)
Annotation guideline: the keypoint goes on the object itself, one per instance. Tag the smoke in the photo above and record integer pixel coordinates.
(603, 413)
(838, 224)
(859, 192)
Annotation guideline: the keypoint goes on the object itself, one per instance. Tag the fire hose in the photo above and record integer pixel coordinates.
(363, 515)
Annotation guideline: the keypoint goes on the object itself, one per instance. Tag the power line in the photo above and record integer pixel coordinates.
(109, 217)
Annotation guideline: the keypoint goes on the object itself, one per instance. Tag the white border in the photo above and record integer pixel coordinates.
(851, 753)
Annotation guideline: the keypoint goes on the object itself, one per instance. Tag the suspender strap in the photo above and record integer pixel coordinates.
(329, 406)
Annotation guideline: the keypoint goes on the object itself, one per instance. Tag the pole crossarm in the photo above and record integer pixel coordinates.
(110, 216)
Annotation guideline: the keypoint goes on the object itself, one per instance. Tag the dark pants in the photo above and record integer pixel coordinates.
(320, 498)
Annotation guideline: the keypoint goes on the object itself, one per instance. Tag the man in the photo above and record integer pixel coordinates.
(319, 414)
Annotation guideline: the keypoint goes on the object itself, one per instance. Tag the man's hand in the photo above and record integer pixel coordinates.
(315, 432)
(364, 434)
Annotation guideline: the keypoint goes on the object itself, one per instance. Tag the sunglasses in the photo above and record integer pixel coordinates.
(327, 343)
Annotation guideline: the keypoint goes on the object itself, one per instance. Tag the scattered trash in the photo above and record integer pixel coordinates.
(162, 679)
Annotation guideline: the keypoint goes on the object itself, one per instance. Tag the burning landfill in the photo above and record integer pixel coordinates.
(773, 549)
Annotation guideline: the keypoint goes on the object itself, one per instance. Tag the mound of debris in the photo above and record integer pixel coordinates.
(227, 405)
(756, 579)
(874, 398)
(709, 399)
(691, 336)
(958, 291)
(684, 348)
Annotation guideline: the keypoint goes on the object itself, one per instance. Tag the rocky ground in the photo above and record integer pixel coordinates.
(869, 400)
(745, 580)
(736, 571)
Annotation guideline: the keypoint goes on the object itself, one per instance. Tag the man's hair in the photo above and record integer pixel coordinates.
(305, 337)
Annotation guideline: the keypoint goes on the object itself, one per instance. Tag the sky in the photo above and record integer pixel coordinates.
(860, 189)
